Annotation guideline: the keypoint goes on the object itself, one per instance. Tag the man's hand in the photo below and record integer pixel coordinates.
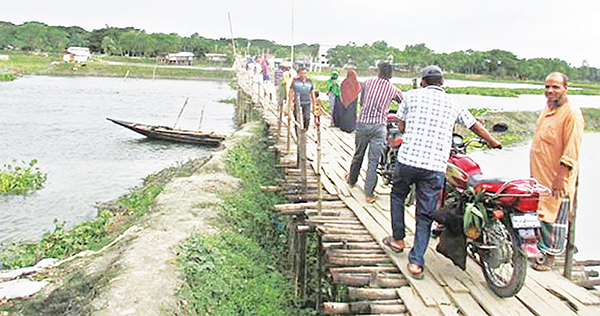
(494, 143)
(558, 185)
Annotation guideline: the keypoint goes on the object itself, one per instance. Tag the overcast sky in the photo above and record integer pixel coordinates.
(566, 30)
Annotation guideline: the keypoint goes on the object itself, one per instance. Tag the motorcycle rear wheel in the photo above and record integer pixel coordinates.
(505, 265)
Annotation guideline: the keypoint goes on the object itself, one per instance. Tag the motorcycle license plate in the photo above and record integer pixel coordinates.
(527, 220)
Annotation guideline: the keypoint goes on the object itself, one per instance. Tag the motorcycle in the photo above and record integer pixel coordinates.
(393, 141)
(489, 219)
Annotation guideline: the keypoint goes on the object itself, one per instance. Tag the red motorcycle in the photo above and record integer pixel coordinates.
(488, 219)
(393, 141)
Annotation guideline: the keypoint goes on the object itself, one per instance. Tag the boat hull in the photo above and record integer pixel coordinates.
(173, 135)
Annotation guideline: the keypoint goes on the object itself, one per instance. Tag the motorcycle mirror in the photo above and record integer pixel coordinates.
(500, 127)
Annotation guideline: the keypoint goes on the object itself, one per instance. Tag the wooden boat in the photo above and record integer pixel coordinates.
(172, 134)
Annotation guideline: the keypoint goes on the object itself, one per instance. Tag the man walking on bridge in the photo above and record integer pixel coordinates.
(376, 96)
(427, 117)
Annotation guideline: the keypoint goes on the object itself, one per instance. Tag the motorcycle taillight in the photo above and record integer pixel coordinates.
(397, 141)
(527, 203)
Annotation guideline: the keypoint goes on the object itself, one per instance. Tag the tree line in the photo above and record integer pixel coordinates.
(129, 41)
(495, 63)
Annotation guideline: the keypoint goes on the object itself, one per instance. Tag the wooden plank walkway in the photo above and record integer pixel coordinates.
(446, 289)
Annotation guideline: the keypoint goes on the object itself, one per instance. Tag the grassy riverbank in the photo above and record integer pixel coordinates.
(21, 63)
(236, 269)
(239, 271)
(52, 65)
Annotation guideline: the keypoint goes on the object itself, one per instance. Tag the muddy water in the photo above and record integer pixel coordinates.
(61, 122)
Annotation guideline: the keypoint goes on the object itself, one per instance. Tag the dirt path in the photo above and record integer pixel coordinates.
(144, 277)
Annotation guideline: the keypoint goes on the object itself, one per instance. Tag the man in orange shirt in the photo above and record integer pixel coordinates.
(554, 163)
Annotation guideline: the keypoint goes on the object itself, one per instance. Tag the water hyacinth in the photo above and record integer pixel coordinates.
(21, 179)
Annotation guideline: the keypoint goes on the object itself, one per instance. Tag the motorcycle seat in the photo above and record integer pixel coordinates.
(490, 184)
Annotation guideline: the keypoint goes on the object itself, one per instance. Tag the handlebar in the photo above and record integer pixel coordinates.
(462, 146)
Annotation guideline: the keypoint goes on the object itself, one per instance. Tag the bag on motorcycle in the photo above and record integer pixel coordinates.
(453, 242)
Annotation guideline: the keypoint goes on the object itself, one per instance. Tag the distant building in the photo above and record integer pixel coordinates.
(76, 54)
(181, 58)
(216, 58)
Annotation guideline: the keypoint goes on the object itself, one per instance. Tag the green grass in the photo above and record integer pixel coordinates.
(240, 271)
(52, 65)
(112, 220)
(28, 63)
(229, 274)
(98, 68)
(8, 77)
(62, 243)
(586, 89)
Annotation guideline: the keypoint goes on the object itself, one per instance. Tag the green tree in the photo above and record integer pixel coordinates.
(166, 43)
(418, 56)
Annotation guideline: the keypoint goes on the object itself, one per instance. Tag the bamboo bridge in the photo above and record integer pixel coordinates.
(349, 233)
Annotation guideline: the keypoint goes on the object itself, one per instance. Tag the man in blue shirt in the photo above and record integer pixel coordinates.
(303, 96)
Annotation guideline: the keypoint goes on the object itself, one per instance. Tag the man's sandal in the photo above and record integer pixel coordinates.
(416, 271)
(388, 242)
(541, 267)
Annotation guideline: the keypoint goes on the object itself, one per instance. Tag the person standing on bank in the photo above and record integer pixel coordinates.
(350, 89)
(302, 95)
(554, 163)
(427, 117)
(376, 96)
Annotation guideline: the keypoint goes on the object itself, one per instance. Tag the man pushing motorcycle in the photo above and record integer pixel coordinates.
(427, 117)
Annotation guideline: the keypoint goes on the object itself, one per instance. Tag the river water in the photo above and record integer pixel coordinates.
(61, 122)
(513, 162)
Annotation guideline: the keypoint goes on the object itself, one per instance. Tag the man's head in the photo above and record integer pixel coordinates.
(556, 88)
(385, 70)
(303, 73)
(432, 75)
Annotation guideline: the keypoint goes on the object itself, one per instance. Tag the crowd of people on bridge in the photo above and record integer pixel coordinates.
(427, 117)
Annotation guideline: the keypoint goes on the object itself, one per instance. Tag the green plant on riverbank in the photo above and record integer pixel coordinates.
(100, 68)
(229, 274)
(230, 100)
(236, 271)
(90, 235)
(52, 65)
(584, 89)
(21, 179)
(8, 77)
(28, 63)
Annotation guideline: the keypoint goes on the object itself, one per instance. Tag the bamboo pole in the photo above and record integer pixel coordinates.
(319, 184)
(571, 235)
(280, 104)
(180, 112)
(296, 206)
(350, 245)
(376, 307)
(391, 268)
(320, 273)
(356, 293)
(289, 123)
(302, 280)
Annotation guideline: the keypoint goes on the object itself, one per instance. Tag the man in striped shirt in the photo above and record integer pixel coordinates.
(376, 96)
